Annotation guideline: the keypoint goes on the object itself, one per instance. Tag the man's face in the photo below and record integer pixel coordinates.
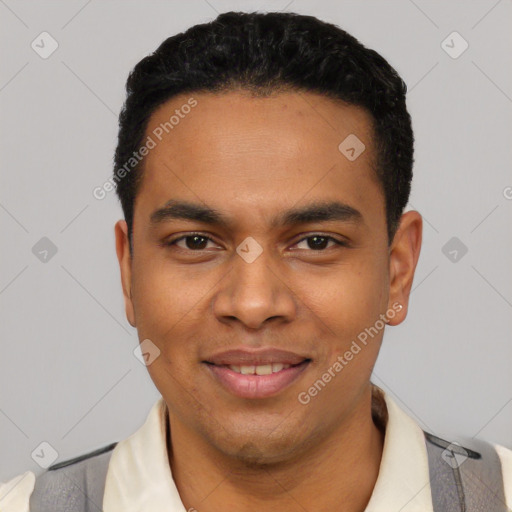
(252, 160)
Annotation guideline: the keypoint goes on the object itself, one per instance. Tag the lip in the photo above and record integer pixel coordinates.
(245, 356)
(256, 386)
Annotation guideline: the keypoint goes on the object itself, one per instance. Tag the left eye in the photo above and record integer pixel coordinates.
(197, 242)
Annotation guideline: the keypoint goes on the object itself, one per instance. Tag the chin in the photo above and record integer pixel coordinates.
(260, 449)
(253, 456)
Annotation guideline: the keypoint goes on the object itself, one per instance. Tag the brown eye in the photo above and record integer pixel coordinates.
(319, 242)
(192, 242)
(196, 242)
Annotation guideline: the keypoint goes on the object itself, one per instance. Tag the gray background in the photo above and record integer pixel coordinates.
(68, 374)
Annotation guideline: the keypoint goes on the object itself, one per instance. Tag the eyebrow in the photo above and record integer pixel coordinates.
(320, 211)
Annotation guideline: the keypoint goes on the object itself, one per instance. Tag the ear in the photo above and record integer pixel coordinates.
(403, 257)
(125, 265)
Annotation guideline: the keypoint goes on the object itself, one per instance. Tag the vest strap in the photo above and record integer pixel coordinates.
(465, 478)
(76, 485)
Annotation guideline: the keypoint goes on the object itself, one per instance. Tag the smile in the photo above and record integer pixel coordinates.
(262, 369)
(256, 381)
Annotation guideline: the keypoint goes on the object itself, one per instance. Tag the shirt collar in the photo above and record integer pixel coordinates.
(403, 483)
(139, 477)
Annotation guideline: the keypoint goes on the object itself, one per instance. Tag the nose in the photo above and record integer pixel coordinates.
(254, 293)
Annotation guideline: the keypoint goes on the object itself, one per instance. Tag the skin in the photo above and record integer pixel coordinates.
(252, 158)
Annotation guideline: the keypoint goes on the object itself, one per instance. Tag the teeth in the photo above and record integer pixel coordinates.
(262, 369)
(247, 370)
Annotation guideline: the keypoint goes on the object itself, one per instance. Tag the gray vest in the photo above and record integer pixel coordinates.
(463, 479)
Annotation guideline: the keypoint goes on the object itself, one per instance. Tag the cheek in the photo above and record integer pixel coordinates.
(349, 303)
(349, 298)
(165, 303)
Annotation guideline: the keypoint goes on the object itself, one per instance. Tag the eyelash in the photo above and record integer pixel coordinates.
(172, 243)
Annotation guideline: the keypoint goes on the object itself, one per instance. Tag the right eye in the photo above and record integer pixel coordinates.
(191, 242)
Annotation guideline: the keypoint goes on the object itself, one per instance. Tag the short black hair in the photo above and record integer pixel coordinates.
(264, 53)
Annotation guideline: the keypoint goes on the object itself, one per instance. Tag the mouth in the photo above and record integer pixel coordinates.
(261, 369)
(256, 375)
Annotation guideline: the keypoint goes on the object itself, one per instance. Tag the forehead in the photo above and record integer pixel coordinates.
(234, 151)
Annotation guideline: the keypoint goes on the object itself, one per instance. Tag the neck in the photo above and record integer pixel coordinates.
(338, 474)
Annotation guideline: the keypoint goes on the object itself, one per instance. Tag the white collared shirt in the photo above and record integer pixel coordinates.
(139, 477)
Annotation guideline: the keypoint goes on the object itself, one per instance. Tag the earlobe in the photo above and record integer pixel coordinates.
(392, 312)
(403, 258)
(125, 266)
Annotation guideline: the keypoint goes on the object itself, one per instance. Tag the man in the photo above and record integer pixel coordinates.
(263, 165)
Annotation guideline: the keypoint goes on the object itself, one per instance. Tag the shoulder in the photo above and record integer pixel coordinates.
(15, 493)
(61, 487)
(480, 466)
(72, 484)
